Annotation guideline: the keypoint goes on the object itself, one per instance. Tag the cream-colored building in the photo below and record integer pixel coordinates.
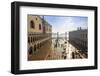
(39, 33)
(37, 25)
(34, 24)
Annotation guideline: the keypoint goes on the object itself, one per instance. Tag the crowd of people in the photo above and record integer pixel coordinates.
(64, 46)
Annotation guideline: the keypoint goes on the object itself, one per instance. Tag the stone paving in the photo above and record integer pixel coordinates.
(56, 51)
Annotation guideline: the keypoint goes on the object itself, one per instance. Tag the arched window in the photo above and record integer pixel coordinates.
(39, 26)
(29, 40)
(34, 48)
(38, 46)
(36, 18)
(32, 25)
(33, 39)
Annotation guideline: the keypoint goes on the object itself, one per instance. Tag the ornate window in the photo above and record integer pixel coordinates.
(39, 26)
(29, 40)
(36, 18)
(32, 25)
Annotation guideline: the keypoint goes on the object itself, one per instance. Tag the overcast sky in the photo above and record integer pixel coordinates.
(66, 23)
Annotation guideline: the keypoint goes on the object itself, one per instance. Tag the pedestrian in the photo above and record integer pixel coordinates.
(64, 57)
(73, 56)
